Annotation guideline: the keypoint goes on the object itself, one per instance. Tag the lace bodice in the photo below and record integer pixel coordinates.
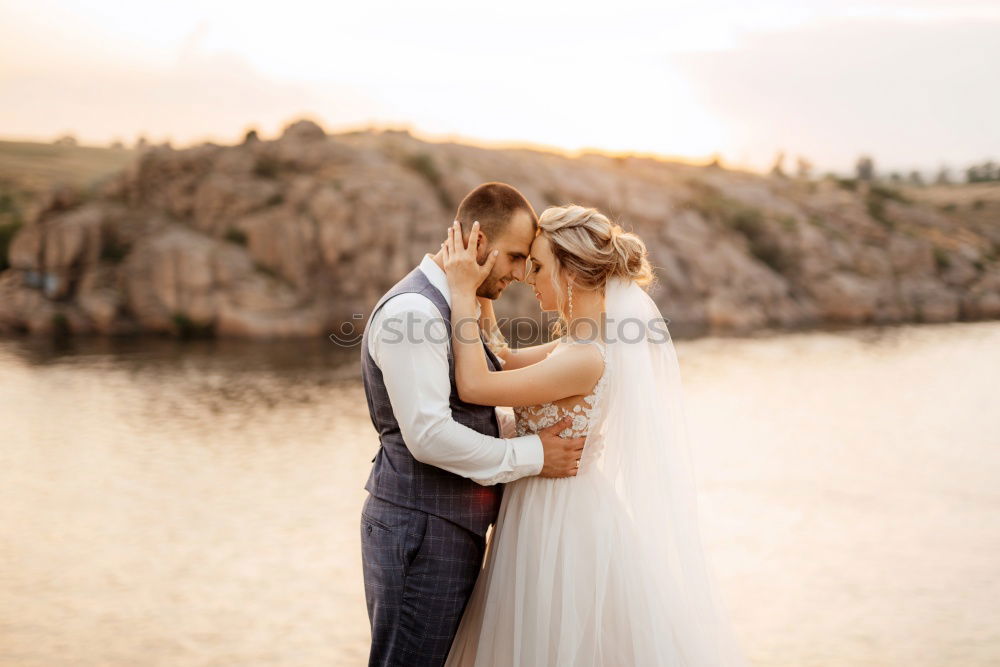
(533, 418)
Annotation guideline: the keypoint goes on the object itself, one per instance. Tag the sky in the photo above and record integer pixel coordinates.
(912, 83)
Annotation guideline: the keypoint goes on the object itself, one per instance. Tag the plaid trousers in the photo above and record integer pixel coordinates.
(419, 571)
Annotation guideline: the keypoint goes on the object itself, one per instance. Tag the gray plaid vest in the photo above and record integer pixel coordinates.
(398, 477)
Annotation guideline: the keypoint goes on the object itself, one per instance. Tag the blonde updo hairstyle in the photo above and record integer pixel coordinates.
(594, 250)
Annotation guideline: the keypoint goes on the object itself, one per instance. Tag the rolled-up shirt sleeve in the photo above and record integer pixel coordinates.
(410, 346)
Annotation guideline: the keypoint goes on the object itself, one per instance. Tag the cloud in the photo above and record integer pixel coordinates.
(200, 96)
(906, 80)
(914, 92)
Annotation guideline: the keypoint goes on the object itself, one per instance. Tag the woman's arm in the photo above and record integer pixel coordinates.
(526, 356)
(512, 359)
(573, 372)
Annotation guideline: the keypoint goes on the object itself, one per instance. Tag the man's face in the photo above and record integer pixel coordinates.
(514, 245)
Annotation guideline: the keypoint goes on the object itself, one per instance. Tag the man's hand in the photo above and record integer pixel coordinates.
(562, 455)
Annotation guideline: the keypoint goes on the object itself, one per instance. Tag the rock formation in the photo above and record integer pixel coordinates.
(295, 236)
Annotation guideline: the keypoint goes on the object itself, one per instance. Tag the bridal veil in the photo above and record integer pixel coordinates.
(648, 461)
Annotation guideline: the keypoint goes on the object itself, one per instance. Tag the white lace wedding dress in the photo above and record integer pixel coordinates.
(561, 583)
(606, 568)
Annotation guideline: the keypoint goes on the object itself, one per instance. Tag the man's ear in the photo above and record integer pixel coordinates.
(482, 246)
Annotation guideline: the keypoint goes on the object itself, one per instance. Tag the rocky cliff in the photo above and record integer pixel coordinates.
(295, 236)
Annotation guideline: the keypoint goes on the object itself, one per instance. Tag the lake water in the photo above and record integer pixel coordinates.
(170, 503)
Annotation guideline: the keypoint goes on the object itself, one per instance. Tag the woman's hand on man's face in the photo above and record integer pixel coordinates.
(463, 271)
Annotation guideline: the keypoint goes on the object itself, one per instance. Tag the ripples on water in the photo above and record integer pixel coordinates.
(168, 503)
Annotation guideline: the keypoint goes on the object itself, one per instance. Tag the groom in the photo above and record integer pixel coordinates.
(435, 486)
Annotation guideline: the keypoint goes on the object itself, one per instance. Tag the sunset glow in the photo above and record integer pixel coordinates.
(823, 79)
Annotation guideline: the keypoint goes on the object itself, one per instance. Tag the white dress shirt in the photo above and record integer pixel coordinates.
(415, 371)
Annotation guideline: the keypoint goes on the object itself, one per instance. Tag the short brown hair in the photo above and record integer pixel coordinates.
(493, 205)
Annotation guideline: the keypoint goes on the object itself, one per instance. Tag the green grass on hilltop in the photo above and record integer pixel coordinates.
(32, 167)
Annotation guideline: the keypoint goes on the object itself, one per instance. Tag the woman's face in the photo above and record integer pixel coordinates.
(542, 266)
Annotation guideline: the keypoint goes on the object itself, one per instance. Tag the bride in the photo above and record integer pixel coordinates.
(605, 567)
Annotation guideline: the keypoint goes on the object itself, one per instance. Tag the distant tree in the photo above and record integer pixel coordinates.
(990, 171)
(896, 177)
(982, 173)
(865, 168)
(916, 178)
(777, 169)
(117, 144)
(716, 161)
(251, 136)
(943, 176)
(142, 142)
(65, 140)
(803, 167)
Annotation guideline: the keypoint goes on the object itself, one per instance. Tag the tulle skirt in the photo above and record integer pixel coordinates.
(561, 584)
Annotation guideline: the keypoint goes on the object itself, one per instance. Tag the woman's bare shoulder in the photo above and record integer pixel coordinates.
(586, 352)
